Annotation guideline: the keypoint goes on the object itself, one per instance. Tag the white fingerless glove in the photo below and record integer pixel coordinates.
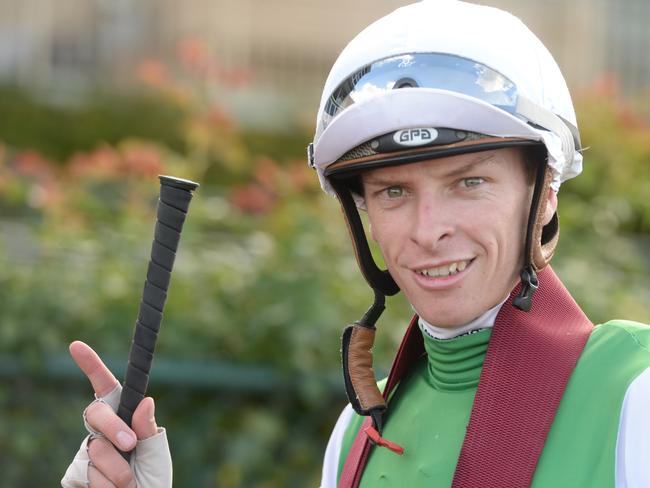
(151, 461)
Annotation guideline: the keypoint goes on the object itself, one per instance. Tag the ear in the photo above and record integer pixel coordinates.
(551, 206)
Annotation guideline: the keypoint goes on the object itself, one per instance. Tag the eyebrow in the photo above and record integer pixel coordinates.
(470, 166)
(379, 181)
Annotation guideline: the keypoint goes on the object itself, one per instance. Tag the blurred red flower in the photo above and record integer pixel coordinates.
(103, 161)
(252, 199)
(142, 160)
(152, 72)
(193, 52)
(31, 163)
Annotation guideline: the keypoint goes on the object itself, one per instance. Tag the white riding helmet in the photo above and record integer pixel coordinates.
(457, 65)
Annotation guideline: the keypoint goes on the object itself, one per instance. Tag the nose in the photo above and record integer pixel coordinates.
(432, 222)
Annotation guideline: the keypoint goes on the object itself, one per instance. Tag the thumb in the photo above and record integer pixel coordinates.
(143, 422)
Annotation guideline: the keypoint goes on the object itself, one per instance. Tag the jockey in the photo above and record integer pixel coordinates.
(451, 127)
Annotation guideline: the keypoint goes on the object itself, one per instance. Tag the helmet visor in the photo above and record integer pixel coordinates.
(426, 70)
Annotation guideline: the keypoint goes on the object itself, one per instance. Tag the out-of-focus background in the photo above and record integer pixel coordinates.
(97, 97)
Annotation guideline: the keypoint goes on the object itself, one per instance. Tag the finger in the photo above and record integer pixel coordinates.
(110, 463)
(89, 362)
(97, 480)
(101, 418)
(144, 422)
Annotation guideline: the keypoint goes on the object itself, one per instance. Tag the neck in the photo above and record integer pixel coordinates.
(483, 321)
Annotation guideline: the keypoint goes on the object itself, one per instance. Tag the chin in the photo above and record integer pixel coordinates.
(447, 319)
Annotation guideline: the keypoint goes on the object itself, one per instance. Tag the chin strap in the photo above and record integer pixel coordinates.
(529, 282)
(359, 375)
(379, 280)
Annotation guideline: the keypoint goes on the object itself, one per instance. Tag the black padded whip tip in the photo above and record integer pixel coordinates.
(178, 182)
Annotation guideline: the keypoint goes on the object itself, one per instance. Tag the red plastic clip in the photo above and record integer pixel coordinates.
(376, 438)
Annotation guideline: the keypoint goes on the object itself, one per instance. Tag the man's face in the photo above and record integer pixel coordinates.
(452, 230)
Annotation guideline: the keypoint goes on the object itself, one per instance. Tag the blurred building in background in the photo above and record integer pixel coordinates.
(64, 48)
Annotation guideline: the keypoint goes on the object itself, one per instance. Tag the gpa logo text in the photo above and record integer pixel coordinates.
(415, 137)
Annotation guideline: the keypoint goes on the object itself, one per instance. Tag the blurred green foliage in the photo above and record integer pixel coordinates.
(265, 275)
(56, 132)
(604, 252)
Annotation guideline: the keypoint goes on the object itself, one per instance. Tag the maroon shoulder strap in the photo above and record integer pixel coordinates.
(531, 356)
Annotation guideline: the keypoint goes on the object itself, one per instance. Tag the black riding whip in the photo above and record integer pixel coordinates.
(173, 203)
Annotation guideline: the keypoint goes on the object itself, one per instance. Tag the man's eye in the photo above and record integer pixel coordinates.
(394, 191)
(472, 182)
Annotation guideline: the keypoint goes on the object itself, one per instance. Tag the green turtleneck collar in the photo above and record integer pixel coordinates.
(455, 364)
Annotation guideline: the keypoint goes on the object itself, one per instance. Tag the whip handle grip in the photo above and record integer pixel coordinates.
(173, 204)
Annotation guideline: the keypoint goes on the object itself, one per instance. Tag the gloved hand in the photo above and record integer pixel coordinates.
(98, 463)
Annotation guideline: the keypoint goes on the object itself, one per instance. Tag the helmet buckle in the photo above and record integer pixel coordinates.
(529, 284)
(310, 155)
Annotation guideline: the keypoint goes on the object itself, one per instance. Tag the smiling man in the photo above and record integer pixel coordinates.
(447, 227)
(451, 125)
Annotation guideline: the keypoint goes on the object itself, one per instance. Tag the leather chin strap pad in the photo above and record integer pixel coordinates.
(544, 237)
(359, 375)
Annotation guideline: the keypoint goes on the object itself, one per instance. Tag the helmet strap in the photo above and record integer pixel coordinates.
(378, 279)
(356, 355)
(358, 339)
(529, 283)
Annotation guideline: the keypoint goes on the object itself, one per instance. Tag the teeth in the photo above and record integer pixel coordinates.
(446, 270)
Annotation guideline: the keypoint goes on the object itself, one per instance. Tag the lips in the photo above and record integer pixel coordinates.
(442, 275)
(447, 269)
